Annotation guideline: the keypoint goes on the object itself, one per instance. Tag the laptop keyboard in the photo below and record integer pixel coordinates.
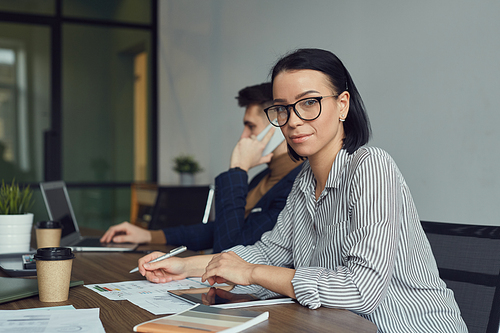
(89, 242)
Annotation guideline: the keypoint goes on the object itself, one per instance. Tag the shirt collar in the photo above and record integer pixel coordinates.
(337, 170)
(307, 180)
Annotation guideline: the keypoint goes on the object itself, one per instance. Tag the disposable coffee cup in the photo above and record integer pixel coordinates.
(53, 271)
(48, 234)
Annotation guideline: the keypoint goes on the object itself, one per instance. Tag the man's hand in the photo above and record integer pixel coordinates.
(126, 232)
(248, 152)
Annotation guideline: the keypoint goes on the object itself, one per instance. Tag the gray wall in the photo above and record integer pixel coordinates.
(428, 72)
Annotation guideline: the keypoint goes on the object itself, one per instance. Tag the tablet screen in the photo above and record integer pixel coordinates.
(231, 297)
(215, 296)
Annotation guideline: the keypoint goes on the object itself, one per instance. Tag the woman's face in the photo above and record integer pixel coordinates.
(319, 138)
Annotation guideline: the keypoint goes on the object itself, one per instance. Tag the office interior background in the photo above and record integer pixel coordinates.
(114, 107)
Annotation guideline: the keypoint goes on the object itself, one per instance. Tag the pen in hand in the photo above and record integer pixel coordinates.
(172, 253)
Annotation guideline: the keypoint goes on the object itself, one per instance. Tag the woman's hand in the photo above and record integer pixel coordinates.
(167, 270)
(228, 267)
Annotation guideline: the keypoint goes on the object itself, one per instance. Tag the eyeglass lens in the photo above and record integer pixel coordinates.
(307, 109)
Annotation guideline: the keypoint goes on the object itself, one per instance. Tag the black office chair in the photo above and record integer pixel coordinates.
(181, 205)
(468, 258)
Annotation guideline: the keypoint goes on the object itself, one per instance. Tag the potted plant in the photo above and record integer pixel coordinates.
(187, 167)
(15, 220)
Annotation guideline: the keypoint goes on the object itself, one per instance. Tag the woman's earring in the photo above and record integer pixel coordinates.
(342, 119)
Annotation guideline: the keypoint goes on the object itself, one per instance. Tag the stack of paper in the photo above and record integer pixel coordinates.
(153, 297)
(48, 320)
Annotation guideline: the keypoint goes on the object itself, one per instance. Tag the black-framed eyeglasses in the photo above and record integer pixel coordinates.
(306, 109)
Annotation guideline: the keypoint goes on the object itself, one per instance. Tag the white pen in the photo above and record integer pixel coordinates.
(172, 253)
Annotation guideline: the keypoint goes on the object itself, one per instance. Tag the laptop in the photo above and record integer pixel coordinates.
(58, 204)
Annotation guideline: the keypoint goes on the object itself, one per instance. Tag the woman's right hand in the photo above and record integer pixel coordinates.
(167, 270)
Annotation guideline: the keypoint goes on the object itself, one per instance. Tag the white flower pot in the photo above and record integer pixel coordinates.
(15, 233)
(187, 179)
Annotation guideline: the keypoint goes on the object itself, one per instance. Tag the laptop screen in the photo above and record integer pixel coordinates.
(58, 208)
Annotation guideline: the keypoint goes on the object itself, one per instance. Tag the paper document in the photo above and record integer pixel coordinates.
(160, 304)
(62, 307)
(54, 321)
(153, 297)
(123, 290)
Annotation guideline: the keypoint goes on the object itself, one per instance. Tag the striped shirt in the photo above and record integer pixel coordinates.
(360, 247)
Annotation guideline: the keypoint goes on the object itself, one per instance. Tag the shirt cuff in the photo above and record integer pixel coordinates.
(305, 287)
(231, 180)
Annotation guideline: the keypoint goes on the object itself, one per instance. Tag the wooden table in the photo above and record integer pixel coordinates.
(122, 316)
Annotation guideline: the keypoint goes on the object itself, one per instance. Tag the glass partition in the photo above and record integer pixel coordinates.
(98, 102)
(132, 11)
(76, 85)
(42, 7)
(94, 207)
(24, 100)
(99, 208)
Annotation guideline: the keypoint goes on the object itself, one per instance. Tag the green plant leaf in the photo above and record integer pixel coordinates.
(14, 200)
(186, 163)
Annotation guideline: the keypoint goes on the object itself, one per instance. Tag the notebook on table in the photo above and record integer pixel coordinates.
(16, 288)
(201, 318)
(59, 208)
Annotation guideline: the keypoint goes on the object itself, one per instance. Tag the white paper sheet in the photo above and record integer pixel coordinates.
(61, 307)
(153, 297)
(124, 290)
(160, 304)
(54, 321)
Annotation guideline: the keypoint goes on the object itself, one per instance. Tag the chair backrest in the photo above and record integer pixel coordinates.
(468, 258)
(142, 201)
(181, 205)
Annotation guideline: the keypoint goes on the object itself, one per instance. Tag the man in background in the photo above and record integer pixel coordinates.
(243, 211)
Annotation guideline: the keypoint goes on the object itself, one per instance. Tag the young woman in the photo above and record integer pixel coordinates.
(349, 236)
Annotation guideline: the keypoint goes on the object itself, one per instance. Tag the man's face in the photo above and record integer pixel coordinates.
(254, 120)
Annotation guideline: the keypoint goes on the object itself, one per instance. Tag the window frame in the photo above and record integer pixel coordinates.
(53, 163)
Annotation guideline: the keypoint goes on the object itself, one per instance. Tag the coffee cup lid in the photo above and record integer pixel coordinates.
(54, 253)
(48, 225)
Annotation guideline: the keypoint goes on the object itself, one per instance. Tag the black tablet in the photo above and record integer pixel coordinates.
(223, 298)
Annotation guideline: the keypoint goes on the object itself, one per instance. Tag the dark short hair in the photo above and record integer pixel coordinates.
(258, 94)
(356, 125)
